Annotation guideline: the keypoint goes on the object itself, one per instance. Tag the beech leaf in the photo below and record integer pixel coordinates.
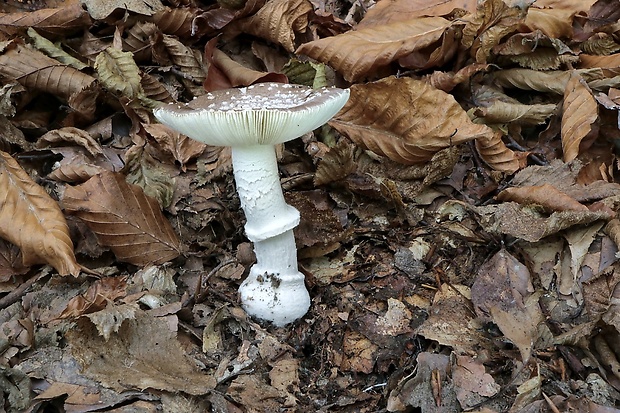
(398, 118)
(580, 111)
(279, 20)
(124, 219)
(496, 154)
(357, 53)
(118, 72)
(32, 220)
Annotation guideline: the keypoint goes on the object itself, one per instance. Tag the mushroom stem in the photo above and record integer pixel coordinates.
(274, 289)
(258, 184)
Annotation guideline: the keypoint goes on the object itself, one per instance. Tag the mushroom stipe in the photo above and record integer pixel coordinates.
(252, 121)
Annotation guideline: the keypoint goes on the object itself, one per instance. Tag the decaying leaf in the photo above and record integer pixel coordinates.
(278, 21)
(97, 297)
(43, 235)
(182, 148)
(451, 321)
(100, 10)
(124, 219)
(54, 21)
(118, 72)
(492, 20)
(545, 195)
(143, 354)
(496, 154)
(68, 135)
(33, 69)
(579, 113)
(110, 319)
(398, 118)
(224, 72)
(357, 53)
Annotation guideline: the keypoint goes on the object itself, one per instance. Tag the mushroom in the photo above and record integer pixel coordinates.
(252, 120)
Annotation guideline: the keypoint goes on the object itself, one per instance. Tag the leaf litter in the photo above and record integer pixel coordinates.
(458, 217)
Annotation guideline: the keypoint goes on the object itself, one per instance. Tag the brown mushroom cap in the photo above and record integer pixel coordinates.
(261, 114)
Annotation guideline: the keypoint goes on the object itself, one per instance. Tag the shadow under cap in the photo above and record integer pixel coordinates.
(261, 114)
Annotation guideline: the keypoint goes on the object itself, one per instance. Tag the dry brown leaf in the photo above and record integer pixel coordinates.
(177, 21)
(436, 56)
(99, 10)
(473, 383)
(496, 154)
(154, 89)
(447, 81)
(32, 220)
(182, 148)
(60, 21)
(67, 136)
(359, 353)
(224, 72)
(579, 113)
(124, 219)
(491, 22)
(118, 72)
(145, 353)
(528, 79)
(548, 196)
(612, 61)
(34, 70)
(100, 293)
(506, 112)
(390, 11)
(215, 19)
(278, 21)
(556, 23)
(379, 117)
(357, 53)
(75, 172)
(502, 283)
(169, 50)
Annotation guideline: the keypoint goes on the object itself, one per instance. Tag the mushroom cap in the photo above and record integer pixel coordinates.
(261, 114)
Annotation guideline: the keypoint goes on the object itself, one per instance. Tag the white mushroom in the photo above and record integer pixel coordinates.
(252, 121)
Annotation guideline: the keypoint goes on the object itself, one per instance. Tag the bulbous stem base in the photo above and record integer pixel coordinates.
(271, 297)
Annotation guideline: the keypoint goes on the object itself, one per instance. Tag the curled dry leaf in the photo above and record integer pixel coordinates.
(32, 220)
(101, 293)
(580, 112)
(398, 118)
(506, 112)
(177, 21)
(171, 51)
(235, 73)
(75, 172)
(137, 40)
(182, 148)
(215, 19)
(124, 219)
(278, 21)
(69, 135)
(357, 53)
(491, 22)
(496, 154)
(33, 69)
(118, 72)
(548, 196)
(386, 12)
(54, 51)
(154, 89)
(99, 10)
(59, 21)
